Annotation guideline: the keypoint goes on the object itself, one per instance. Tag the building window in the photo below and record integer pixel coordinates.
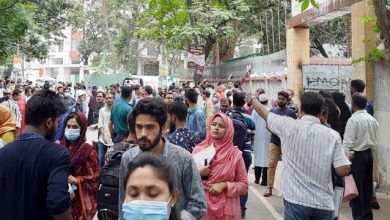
(75, 44)
(60, 44)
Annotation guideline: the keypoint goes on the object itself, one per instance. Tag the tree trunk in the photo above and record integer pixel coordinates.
(227, 46)
(320, 48)
(382, 12)
(109, 35)
(348, 35)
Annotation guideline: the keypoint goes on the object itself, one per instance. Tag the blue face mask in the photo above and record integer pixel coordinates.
(72, 134)
(145, 210)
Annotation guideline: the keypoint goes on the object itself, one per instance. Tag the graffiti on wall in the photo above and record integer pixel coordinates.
(327, 77)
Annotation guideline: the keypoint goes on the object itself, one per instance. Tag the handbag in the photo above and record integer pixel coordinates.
(351, 191)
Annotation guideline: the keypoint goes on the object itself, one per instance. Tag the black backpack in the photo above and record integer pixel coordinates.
(108, 188)
(240, 128)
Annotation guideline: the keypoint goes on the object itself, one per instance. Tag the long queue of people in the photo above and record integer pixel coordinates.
(48, 170)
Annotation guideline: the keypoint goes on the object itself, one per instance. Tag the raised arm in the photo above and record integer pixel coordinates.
(259, 108)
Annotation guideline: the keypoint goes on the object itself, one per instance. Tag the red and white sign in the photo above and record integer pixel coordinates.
(196, 57)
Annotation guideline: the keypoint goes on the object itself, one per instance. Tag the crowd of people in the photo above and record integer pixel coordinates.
(49, 170)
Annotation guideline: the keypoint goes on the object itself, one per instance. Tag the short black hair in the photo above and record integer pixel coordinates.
(312, 103)
(179, 98)
(155, 107)
(284, 94)
(44, 104)
(358, 84)
(113, 86)
(227, 99)
(237, 84)
(239, 99)
(126, 91)
(179, 109)
(191, 95)
(104, 94)
(148, 89)
(46, 86)
(27, 89)
(207, 93)
(325, 94)
(360, 100)
(16, 92)
(228, 94)
(136, 87)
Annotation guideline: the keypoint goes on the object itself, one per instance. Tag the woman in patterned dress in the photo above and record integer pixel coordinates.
(84, 171)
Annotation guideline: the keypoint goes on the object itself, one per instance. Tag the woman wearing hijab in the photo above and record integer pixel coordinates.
(84, 171)
(225, 177)
(7, 125)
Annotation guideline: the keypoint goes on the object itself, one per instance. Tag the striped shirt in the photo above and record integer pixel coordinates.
(309, 150)
(11, 104)
(361, 131)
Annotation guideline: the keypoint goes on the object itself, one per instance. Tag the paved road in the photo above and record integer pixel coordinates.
(271, 208)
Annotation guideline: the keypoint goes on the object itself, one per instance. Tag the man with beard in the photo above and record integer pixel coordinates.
(275, 150)
(181, 136)
(148, 120)
(37, 187)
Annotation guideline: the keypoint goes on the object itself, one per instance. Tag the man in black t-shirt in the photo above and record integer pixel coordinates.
(274, 147)
(33, 170)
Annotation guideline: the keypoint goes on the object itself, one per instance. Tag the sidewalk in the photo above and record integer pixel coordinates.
(382, 214)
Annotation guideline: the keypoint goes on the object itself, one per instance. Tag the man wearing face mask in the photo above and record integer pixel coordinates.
(37, 188)
(149, 117)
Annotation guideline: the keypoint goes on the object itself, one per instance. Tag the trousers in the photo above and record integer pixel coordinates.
(361, 167)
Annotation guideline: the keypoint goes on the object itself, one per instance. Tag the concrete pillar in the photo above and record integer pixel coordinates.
(363, 40)
(298, 53)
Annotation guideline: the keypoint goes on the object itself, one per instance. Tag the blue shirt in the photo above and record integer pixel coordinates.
(184, 138)
(33, 179)
(196, 122)
(284, 112)
(119, 113)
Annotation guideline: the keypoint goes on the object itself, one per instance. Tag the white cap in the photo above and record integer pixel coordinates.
(80, 93)
(263, 98)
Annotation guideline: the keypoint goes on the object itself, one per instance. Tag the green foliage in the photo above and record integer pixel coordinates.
(366, 19)
(373, 56)
(177, 23)
(25, 27)
(305, 4)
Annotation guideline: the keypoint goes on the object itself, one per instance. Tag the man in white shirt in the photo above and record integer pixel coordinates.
(105, 140)
(360, 138)
(309, 150)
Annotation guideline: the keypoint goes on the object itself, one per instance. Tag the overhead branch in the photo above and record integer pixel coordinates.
(10, 6)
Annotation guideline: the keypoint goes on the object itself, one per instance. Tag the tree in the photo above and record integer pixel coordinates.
(27, 26)
(177, 23)
(332, 32)
(382, 11)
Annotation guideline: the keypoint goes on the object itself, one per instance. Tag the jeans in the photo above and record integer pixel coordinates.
(297, 212)
(247, 156)
(102, 154)
(118, 139)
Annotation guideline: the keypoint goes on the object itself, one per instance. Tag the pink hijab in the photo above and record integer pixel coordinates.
(225, 160)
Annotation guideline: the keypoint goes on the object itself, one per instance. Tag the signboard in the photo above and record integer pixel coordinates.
(196, 57)
(327, 77)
